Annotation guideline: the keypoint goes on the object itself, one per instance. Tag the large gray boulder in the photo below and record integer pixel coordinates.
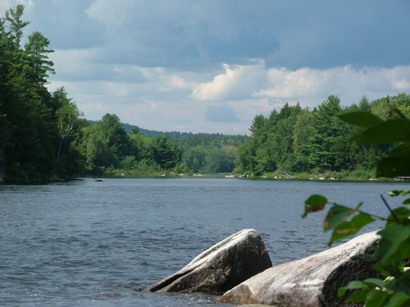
(221, 267)
(311, 281)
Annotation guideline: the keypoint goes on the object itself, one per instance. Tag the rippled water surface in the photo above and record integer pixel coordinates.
(89, 243)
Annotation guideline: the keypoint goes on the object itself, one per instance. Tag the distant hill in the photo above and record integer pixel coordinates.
(151, 133)
(189, 139)
(172, 134)
(185, 140)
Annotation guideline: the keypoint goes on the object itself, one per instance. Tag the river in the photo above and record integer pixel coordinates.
(89, 243)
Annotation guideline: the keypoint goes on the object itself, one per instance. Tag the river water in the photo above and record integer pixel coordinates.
(89, 243)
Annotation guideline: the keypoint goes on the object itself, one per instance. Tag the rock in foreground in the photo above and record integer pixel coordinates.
(311, 281)
(220, 268)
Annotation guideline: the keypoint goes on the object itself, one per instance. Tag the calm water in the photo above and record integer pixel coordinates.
(90, 243)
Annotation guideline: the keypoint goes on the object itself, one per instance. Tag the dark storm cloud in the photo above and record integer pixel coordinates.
(196, 34)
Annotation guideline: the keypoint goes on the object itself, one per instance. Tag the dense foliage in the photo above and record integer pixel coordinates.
(316, 141)
(156, 152)
(142, 152)
(392, 253)
(209, 153)
(38, 130)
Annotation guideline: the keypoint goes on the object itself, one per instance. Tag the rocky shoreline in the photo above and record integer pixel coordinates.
(240, 270)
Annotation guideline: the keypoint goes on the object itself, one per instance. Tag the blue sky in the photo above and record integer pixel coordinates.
(212, 65)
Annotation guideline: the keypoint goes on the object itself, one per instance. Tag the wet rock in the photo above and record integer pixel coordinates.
(311, 281)
(221, 267)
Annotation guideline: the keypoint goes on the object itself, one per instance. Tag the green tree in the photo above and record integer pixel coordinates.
(4, 122)
(114, 134)
(107, 144)
(27, 125)
(282, 137)
(165, 153)
(16, 24)
(332, 137)
(306, 147)
(389, 107)
(140, 146)
(69, 125)
(98, 154)
(254, 156)
(37, 56)
(220, 160)
(271, 144)
(195, 157)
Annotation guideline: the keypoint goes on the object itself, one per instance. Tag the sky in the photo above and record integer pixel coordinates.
(213, 65)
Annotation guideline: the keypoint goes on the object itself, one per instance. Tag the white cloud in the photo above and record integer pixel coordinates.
(175, 83)
(305, 85)
(220, 86)
(400, 78)
(163, 99)
(311, 86)
(285, 84)
(234, 82)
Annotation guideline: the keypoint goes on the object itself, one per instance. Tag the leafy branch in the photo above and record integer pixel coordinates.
(393, 249)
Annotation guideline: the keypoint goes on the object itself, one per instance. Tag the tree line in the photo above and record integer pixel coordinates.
(110, 150)
(38, 130)
(44, 136)
(314, 141)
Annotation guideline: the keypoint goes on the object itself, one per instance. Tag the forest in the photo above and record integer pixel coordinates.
(296, 140)
(44, 137)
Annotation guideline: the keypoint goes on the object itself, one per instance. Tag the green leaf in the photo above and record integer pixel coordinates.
(360, 119)
(316, 200)
(395, 193)
(395, 243)
(406, 201)
(376, 282)
(398, 299)
(337, 215)
(389, 131)
(396, 163)
(358, 296)
(341, 291)
(350, 228)
(314, 203)
(353, 285)
(402, 214)
(376, 298)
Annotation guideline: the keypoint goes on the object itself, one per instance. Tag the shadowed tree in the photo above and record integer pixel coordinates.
(165, 153)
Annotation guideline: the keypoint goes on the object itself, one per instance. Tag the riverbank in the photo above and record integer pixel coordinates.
(344, 176)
